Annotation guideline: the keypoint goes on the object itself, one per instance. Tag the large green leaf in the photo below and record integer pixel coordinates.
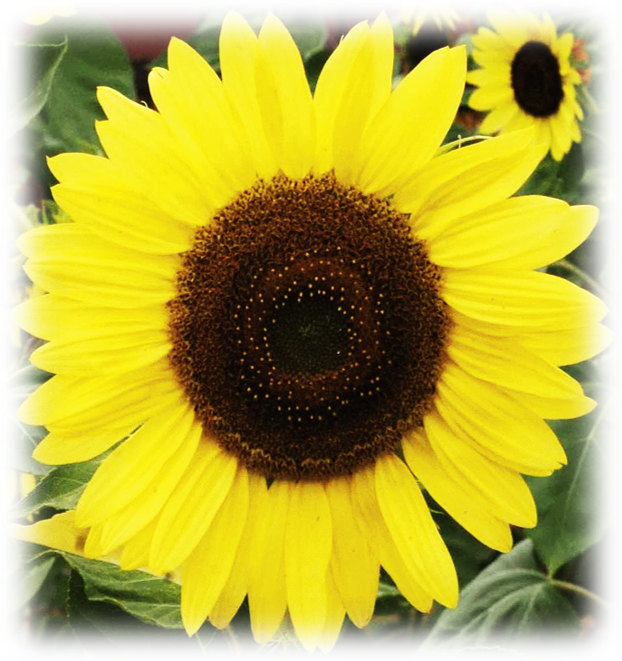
(94, 58)
(32, 578)
(568, 520)
(43, 59)
(511, 598)
(59, 489)
(20, 439)
(149, 598)
(101, 626)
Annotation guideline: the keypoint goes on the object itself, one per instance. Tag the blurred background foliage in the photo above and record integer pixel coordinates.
(546, 585)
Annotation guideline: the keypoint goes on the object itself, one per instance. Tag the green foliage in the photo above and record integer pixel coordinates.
(510, 597)
(20, 439)
(44, 60)
(59, 489)
(566, 503)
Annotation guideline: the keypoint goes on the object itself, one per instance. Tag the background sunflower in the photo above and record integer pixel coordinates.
(527, 77)
(134, 613)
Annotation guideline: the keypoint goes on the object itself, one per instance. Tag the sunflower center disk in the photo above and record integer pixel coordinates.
(308, 331)
(536, 80)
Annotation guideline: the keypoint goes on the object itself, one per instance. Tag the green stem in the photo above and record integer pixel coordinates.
(612, 149)
(201, 647)
(577, 589)
(582, 275)
(18, 219)
(232, 643)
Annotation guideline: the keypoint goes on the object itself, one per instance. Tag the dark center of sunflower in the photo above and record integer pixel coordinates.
(536, 80)
(308, 331)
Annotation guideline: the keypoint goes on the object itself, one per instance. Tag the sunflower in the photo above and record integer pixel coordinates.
(441, 12)
(527, 78)
(293, 314)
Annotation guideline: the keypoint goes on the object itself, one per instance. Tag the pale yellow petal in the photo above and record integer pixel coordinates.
(206, 570)
(266, 572)
(529, 300)
(394, 145)
(194, 105)
(355, 568)
(415, 534)
(466, 180)
(308, 545)
(69, 261)
(504, 362)
(52, 317)
(374, 528)
(133, 465)
(236, 587)
(239, 52)
(191, 508)
(499, 490)
(58, 532)
(136, 139)
(342, 100)
(147, 505)
(71, 403)
(568, 346)
(285, 99)
(335, 614)
(525, 232)
(496, 422)
(451, 496)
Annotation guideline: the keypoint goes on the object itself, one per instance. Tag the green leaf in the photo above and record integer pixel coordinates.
(566, 504)
(94, 57)
(105, 623)
(59, 489)
(32, 578)
(510, 598)
(149, 598)
(45, 59)
(20, 439)
(488, 653)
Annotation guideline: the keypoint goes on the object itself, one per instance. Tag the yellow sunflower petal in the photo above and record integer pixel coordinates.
(239, 51)
(285, 99)
(525, 232)
(466, 180)
(408, 518)
(52, 317)
(133, 465)
(194, 104)
(267, 596)
(335, 613)
(143, 509)
(451, 496)
(374, 528)
(392, 148)
(308, 544)
(58, 532)
(342, 100)
(503, 362)
(526, 300)
(355, 569)
(206, 570)
(191, 508)
(496, 422)
(568, 346)
(497, 489)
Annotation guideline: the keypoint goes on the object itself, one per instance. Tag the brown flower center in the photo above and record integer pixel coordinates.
(536, 80)
(308, 330)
